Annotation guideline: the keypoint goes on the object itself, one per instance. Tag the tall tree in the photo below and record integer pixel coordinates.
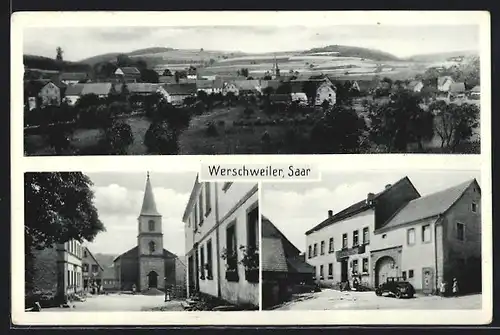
(400, 122)
(59, 207)
(59, 55)
(167, 73)
(149, 76)
(454, 123)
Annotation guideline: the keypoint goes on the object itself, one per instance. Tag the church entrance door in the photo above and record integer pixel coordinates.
(152, 279)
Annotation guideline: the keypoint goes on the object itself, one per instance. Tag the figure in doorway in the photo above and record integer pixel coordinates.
(442, 288)
(133, 288)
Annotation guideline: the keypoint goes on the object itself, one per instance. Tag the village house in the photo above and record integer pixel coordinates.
(325, 92)
(145, 89)
(415, 86)
(109, 281)
(230, 87)
(41, 93)
(71, 78)
(76, 91)
(176, 93)
(398, 233)
(167, 80)
(457, 90)
(248, 87)
(475, 92)
(444, 83)
(91, 270)
(221, 229)
(58, 270)
(209, 86)
(128, 74)
(283, 266)
(148, 265)
(73, 93)
(273, 84)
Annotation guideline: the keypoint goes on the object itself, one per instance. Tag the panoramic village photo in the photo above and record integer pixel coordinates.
(381, 240)
(120, 241)
(298, 89)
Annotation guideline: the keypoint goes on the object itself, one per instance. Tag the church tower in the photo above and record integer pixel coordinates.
(276, 69)
(150, 243)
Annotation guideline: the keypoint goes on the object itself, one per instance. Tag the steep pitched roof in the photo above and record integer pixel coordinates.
(354, 209)
(108, 273)
(134, 252)
(129, 70)
(457, 88)
(270, 83)
(74, 90)
(273, 255)
(180, 89)
(442, 80)
(97, 88)
(91, 255)
(33, 87)
(142, 87)
(413, 84)
(148, 202)
(268, 229)
(167, 79)
(247, 85)
(299, 265)
(428, 206)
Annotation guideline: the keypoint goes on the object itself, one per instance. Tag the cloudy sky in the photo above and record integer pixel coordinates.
(118, 198)
(80, 43)
(297, 207)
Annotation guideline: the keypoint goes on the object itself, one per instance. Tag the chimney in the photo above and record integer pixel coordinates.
(369, 198)
(387, 186)
(330, 213)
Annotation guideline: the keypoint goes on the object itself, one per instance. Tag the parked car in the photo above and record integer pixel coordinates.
(396, 286)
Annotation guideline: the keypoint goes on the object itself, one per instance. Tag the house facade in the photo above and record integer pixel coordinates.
(91, 270)
(325, 92)
(221, 231)
(398, 233)
(40, 93)
(457, 90)
(230, 87)
(176, 93)
(58, 270)
(444, 83)
(128, 74)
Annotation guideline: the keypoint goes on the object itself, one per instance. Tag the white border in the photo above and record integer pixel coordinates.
(182, 163)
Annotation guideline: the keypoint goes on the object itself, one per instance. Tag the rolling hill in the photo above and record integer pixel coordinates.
(50, 64)
(442, 56)
(349, 51)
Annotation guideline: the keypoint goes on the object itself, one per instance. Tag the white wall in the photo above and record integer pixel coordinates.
(336, 230)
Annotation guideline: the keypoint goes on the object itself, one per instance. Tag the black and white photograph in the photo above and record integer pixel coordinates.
(252, 89)
(111, 241)
(398, 240)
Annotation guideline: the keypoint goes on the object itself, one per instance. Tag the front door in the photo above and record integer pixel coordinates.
(152, 279)
(427, 280)
(344, 270)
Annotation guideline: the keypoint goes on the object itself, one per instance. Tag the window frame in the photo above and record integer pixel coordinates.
(331, 245)
(457, 230)
(322, 248)
(330, 270)
(367, 239)
(423, 233)
(474, 207)
(345, 241)
(408, 236)
(355, 238)
(367, 262)
(151, 224)
(355, 266)
(411, 274)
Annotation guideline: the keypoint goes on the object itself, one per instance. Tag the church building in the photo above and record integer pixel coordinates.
(148, 265)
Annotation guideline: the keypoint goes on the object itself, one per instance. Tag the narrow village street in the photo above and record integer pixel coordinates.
(120, 302)
(329, 299)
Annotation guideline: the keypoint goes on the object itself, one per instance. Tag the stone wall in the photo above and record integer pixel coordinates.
(148, 264)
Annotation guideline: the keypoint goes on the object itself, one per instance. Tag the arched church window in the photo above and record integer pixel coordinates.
(152, 247)
(151, 225)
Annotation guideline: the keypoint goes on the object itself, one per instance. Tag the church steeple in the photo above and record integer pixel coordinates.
(148, 203)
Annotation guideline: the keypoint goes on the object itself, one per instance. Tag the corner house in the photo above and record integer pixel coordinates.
(221, 231)
(397, 232)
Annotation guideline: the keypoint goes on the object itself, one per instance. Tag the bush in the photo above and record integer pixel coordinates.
(118, 137)
(119, 108)
(161, 139)
(221, 122)
(58, 138)
(212, 129)
(248, 112)
(266, 138)
(95, 117)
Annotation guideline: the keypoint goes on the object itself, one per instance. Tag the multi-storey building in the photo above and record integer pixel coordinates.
(221, 231)
(398, 233)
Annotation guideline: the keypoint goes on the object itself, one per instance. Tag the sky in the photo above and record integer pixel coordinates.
(79, 43)
(118, 198)
(295, 208)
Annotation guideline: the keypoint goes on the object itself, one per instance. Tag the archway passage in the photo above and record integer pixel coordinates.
(152, 279)
(385, 268)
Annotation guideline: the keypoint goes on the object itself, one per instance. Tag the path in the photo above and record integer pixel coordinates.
(329, 299)
(120, 302)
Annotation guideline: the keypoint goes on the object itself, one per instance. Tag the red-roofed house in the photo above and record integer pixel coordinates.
(399, 233)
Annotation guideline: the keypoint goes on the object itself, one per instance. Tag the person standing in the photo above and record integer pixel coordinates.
(442, 288)
(455, 287)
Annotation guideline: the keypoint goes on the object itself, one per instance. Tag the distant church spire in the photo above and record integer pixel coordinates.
(148, 203)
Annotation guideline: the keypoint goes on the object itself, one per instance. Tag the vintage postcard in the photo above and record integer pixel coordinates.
(251, 168)
(187, 86)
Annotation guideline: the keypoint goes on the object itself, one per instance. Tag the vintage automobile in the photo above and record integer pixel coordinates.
(396, 286)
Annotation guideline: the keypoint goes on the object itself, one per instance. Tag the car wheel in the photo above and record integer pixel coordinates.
(378, 293)
(398, 295)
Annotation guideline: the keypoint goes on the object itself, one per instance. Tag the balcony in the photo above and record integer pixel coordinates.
(359, 249)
